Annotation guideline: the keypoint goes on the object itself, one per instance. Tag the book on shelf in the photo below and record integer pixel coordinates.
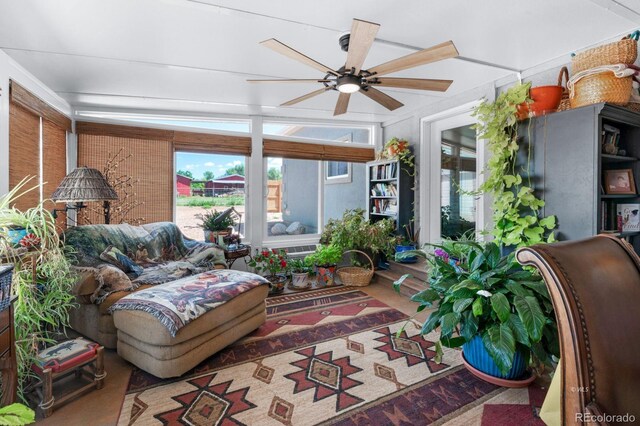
(384, 190)
(383, 206)
(628, 217)
(384, 171)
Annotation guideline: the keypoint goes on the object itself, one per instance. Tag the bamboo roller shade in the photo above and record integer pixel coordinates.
(54, 164)
(183, 141)
(150, 163)
(312, 151)
(21, 96)
(24, 153)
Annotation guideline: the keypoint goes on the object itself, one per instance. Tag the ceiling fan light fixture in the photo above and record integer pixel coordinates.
(348, 84)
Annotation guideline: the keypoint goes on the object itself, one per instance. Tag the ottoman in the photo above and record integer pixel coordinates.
(145, 342)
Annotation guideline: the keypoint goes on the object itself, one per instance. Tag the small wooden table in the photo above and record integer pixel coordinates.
(241, 251)
(8, 360)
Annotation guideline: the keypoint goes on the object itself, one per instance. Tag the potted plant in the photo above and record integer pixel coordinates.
(299, 273)
(399, 148)
(354, 232)
(215, 225)
(485, 302)
(407, 243)
(517, 215)
(274, 262)
(42, 278)
(326, 258)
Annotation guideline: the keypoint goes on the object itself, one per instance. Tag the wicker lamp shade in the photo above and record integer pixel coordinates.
(84, 184)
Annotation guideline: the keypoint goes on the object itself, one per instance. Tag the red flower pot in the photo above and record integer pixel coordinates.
(546, 99)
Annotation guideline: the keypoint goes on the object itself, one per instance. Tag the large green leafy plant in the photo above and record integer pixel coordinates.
(325, 255)
(43, 300)
(354, 232)
(516, 209)
(478, 291)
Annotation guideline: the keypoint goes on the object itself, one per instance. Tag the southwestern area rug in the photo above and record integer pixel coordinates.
(328, 357)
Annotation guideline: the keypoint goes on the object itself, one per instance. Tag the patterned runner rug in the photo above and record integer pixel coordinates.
(328, 357)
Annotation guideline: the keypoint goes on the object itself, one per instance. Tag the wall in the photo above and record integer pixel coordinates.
(9, 69)
(341, 196)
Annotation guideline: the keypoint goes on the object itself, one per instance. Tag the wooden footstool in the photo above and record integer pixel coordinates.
(81, 357)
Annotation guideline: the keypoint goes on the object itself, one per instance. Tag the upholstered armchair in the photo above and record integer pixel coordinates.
(595, 289)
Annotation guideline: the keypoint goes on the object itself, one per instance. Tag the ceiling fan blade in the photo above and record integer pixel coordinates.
(433, 54)
(285, 50)
(305, 97)
(382, 98)
(362, 35)
(413, 83)
(293, 80)
(342, 104)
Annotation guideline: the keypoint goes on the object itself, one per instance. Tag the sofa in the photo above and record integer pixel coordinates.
(116, 260)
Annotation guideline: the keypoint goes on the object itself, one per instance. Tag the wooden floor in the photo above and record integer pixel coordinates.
(102, 407)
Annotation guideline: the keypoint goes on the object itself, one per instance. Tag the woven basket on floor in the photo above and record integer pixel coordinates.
(565, 104)
(355, 275)
(624, 51)
(601, 87)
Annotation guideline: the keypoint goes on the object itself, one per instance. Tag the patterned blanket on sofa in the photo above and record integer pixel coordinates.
(177, 303)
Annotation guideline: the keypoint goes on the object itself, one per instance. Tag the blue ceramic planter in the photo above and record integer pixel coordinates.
(16, 234)
(476, 355)
(410, 259)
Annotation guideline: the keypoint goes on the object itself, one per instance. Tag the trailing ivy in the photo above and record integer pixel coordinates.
(516, 209)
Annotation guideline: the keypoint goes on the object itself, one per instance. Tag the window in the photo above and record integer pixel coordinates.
(317, 132)
(207, 182)
(292, 197)
(303, 194)
(337, 172)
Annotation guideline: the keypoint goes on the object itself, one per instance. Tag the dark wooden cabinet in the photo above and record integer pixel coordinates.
(8, 361)
(567, 166)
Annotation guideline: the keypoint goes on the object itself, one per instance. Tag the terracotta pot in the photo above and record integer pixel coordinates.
(545, 100)
(395, 150)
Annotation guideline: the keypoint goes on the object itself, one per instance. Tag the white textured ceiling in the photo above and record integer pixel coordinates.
(185, 55)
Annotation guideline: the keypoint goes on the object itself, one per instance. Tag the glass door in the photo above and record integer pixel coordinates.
(453, 157)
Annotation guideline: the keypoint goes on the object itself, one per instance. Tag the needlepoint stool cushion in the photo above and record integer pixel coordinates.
(65, 355)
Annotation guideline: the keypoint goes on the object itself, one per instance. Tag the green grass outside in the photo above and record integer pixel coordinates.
(210, 201)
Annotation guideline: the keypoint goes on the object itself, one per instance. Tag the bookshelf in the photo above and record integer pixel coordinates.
(390, 192)
(574, 153)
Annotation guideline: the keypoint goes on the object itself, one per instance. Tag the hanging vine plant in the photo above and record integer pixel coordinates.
(516, 209)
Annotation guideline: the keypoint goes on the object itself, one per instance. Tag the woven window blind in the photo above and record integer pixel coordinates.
(24, 153)
(183, 141)
(213, 144)
(149, 166)
(21, 96)
(312, 151)
(54, 163)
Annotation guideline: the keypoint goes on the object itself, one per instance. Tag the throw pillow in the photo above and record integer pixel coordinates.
(110, 279)
(120, 260)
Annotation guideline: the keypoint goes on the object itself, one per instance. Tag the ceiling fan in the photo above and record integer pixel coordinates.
(351, 78)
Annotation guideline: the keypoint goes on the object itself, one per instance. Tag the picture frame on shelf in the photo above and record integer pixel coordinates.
(619, 182)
